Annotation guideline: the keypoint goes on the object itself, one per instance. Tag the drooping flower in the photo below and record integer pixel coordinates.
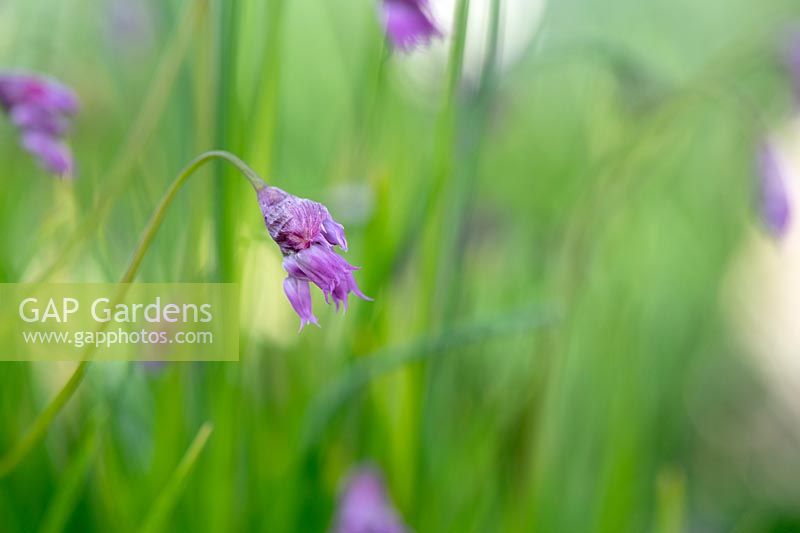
(776, 210)
(364, 506)
(408, 23)
(40, 108)
(306, 235)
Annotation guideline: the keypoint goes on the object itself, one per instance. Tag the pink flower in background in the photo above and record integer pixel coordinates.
(40, 108)
(364, 506)
(306, 235)
(408, 23)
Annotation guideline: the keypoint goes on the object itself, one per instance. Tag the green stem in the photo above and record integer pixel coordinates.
(421, 213)
(227, 122)
(433, 206)
(446, 127)
(158, 214)
(39, 427)
(368, 119)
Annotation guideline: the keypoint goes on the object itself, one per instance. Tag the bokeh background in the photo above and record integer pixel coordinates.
(579, 322)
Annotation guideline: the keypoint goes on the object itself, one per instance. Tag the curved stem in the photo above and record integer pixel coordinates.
(38, 429)
(169, 196)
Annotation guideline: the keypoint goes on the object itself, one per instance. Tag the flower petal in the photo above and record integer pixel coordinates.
(299, 295)
(334, 233)
(52, 154)
(364, 505)
(29, 117)
(408, 23)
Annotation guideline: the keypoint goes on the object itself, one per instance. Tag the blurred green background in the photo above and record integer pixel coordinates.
(547, 240)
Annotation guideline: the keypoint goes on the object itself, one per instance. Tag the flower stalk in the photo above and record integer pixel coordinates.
(39, 428)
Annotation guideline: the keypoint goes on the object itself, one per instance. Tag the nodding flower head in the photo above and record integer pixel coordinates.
(364, 506)
(775, 207)
(408, 23)
(40, 108)
(306, 235)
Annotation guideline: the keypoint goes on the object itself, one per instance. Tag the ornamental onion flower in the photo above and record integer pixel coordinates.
(40, 108)
(775, 207)
(364, 506)
(306, 235)
(408, 23)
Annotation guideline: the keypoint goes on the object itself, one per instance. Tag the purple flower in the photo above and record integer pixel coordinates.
(364, 506)
(51, 152)
(306, 235)
(408, 23)
(775, 208)
(130, 25)
(40, 108)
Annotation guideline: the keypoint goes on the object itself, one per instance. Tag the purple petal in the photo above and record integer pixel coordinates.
(408, 23)
(776, 210)
(299, 296)
(364, 506)
(52, 154)
(334, 233)
(293, 268)
(30, 117)
(327, 270)
(343, 290)
(19, 89)
(60, 98)
(323, 266)
(352, 286)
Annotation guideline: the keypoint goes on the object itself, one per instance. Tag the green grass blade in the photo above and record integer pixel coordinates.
(172, 491)
(71, 484)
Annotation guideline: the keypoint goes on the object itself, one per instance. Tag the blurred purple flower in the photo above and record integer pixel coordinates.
(408, 23)
(364, 506)
(40, 108)
(775, 207)
(51, 152)
(306, 235)
(131, 25)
